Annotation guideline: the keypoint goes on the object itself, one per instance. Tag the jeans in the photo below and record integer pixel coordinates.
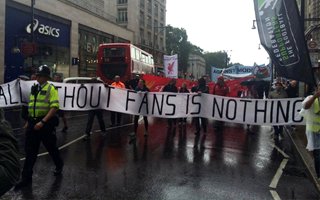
(316, 156)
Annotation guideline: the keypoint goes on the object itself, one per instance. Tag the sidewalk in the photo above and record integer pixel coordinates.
(299, 141)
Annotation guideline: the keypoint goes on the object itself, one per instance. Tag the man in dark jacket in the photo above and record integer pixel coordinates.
(171, 87)
(9, 161)
(200, 88)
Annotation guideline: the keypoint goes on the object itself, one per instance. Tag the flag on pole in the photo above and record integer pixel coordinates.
(281, 34)
(171, 66)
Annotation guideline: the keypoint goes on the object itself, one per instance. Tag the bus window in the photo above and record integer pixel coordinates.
(137, 54)
(114, 52)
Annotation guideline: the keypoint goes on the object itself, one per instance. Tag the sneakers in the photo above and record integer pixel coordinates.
(23, 183)
(64, 130)
(58, 172)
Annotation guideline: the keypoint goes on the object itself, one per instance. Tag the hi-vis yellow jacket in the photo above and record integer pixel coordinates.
(43, 101)
(312, 116)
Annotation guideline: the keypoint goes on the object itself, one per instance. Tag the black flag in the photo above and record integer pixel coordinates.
(281, 34)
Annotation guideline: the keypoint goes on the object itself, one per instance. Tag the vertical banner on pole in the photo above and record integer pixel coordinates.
(281, 34)
(171, 66)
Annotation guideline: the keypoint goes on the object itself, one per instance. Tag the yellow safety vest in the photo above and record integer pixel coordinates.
(314, 123)
(40, 103)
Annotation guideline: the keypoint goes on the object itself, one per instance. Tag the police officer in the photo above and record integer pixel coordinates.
(43, 105)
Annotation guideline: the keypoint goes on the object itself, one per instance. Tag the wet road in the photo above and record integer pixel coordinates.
(237, 163)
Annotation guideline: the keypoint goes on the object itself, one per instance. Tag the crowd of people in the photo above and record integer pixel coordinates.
(41, 123)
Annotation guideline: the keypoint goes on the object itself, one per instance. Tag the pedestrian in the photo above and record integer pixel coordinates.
(33, 77)
(278, 93)
(200, 88)
(171, 87)
(43, 105)
(91, 115)
(220, 89)
(133, 83)
(311, 113)
(183, 89)
(9, 159)
(292, 89)
(141, 87)
(61, 113)
(116, 116)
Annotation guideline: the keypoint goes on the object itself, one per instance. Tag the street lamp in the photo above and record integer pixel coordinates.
(32, 26)
(253, 24)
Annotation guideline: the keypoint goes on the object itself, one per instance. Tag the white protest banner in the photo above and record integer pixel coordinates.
(81, 97)
(171, 66)
(237, 71)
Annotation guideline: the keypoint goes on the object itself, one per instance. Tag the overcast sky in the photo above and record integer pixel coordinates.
(219, 25)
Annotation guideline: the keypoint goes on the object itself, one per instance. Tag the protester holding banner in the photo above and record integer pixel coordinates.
(116, 115)
(200, 88)
(183, 89)
(278, 93)
(133, 83)
(311, 112)
(58, 78)
(43, 105)
(221, 88)
(92, 113)
(171, 87)
(141, 87)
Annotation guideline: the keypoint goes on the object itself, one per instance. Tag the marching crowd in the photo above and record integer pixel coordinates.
(41, 120)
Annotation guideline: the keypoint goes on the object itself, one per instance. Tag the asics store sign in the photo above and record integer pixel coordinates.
(43, 29)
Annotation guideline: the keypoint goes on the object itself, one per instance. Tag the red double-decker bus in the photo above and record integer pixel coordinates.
(123, 59)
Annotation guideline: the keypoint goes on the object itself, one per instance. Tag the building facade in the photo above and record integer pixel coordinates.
(312, 18)
(64, 31)
(196, 67)
(147, 19)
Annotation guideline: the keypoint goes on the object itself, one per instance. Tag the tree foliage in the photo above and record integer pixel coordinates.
(177, 43)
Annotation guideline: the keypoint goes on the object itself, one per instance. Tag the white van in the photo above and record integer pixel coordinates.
(81, 80)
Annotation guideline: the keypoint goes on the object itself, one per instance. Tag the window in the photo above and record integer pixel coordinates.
(122, 1)
(141, 18)
(149, 6)
(122, 15)
(156, 10)
(149, 22)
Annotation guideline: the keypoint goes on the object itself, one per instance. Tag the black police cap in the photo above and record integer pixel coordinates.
(43, 70)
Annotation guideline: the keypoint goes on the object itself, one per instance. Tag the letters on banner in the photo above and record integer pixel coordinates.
(77, 97)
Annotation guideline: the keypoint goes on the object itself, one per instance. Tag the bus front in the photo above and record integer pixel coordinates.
(114, 59)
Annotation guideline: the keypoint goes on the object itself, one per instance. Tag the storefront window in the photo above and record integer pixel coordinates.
(88, 48)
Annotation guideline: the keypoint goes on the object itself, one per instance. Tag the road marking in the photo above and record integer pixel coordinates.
(278, 174)
(275, 195)
(77, 139)
(280, 151)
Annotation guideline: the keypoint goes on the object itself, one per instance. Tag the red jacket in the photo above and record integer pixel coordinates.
(221, 90)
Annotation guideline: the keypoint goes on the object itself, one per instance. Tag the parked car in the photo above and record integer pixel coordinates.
(81, 80)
